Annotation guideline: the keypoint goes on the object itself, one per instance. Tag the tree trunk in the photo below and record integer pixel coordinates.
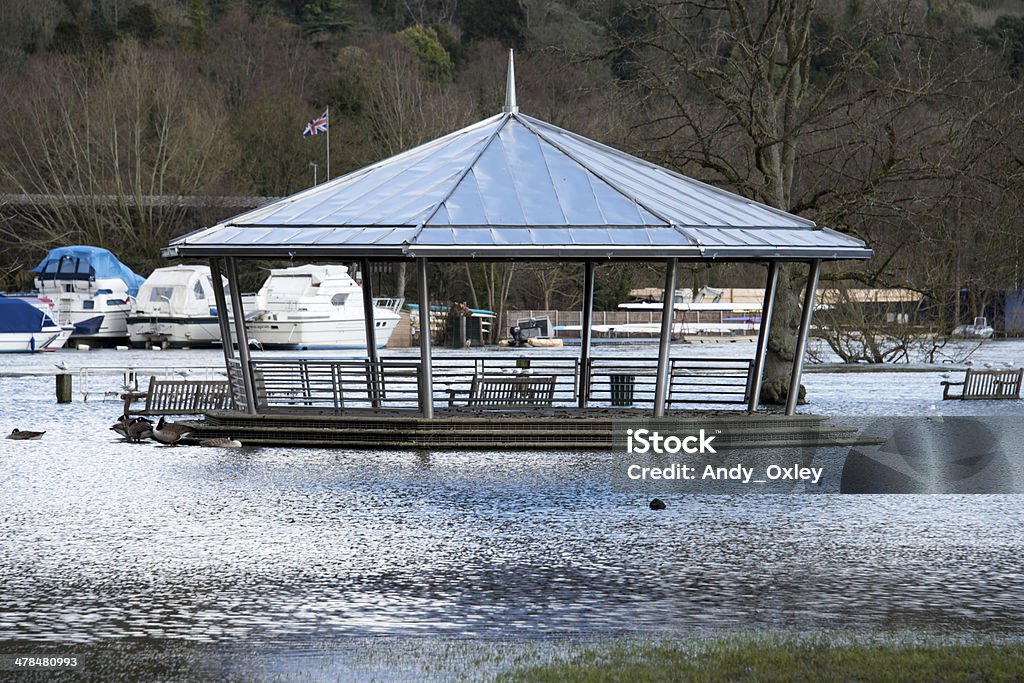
(782, 335)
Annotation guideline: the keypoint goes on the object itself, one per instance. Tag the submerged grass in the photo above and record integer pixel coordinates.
(772, 657)
(785, 658)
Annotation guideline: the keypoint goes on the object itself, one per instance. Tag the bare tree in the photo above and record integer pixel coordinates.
(821, 109)
(126, 138)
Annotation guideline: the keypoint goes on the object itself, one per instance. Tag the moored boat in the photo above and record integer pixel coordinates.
(25, 328)
(315, 307)
(92, 291)
(175, 307)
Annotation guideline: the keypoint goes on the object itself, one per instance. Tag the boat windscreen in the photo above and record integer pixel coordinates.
(288, 285)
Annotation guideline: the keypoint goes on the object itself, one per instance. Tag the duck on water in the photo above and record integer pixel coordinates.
(25, 435)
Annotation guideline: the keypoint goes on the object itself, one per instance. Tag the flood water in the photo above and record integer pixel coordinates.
(102, 539)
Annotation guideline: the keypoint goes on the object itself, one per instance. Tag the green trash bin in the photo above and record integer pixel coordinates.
(622, 389)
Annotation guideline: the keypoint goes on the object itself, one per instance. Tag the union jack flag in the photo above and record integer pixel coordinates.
(318, 125)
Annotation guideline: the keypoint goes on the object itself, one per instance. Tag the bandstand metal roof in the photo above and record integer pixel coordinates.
(512, 186)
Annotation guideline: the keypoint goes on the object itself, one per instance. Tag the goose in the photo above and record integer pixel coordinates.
(133, 428)
(222, 442)
(169, 432)
(140, 428)
(121, 426)
(19, 435)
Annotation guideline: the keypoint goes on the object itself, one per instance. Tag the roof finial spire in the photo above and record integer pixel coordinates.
(510, 86)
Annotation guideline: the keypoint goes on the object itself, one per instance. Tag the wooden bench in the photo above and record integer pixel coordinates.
(179, 397)
(504, 391)
(986, 385)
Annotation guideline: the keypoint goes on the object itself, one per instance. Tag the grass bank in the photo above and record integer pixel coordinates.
(784, 658)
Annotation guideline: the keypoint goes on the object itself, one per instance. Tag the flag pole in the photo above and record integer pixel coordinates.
(328, 143)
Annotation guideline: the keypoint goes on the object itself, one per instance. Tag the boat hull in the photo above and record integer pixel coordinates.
(48, 339)
(324, 333)
(173, 331)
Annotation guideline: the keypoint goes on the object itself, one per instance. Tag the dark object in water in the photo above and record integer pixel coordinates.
(19, 435)
(658, 504)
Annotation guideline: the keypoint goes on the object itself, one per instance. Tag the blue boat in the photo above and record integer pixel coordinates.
(25, 328)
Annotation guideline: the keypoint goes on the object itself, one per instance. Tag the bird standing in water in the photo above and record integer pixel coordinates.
(169, 432)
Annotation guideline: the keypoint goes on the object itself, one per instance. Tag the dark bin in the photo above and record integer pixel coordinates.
(622, 389)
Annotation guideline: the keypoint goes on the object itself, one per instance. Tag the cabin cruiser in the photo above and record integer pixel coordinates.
(315, 307)
(92, 291)
(26, 327)
(175, 308)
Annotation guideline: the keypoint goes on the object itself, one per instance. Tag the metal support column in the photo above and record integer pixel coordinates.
(586, 331)
(426, 371)
(242, 339)
(667, 313)
(793, 394)
(223, 320)
(762, 336)
(373, 389)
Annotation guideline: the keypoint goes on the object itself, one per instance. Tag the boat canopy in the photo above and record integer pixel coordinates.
(17, 315)
(86, 263)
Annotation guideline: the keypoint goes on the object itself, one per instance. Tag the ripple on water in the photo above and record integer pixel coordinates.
(100, 538)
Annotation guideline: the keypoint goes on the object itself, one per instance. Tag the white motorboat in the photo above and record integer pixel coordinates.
(175, 308)
(979, 329)
(315, 307)
(91, 289)
(27, 328)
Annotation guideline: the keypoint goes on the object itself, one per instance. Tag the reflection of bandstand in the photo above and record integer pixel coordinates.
(510, 187)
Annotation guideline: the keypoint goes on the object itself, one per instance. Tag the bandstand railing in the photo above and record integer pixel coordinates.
(290, 384)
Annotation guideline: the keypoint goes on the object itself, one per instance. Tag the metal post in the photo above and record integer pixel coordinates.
(371, 333)
(238, 313)
(222, 309)
(762, 336)
(801, 340)
(667, 312)
(426, 371)
(586, 331)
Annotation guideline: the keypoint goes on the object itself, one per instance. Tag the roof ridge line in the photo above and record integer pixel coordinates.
(613, 185)
(462, 175)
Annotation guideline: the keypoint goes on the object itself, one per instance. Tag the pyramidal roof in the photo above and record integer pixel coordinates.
(514, 186)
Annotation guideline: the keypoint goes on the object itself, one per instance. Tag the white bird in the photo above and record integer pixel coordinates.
(968, 362)
(988, 365)
(169, 432)
(62, 365)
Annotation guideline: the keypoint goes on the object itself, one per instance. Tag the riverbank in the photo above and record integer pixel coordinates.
(748, 656)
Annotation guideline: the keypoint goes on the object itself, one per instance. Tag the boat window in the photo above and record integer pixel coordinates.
(288, 285)
(198, 290)
(161, 293)
(88, 304)
(115, 302)
(339, 299)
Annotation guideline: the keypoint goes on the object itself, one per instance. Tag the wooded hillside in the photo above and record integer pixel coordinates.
(899, 122)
